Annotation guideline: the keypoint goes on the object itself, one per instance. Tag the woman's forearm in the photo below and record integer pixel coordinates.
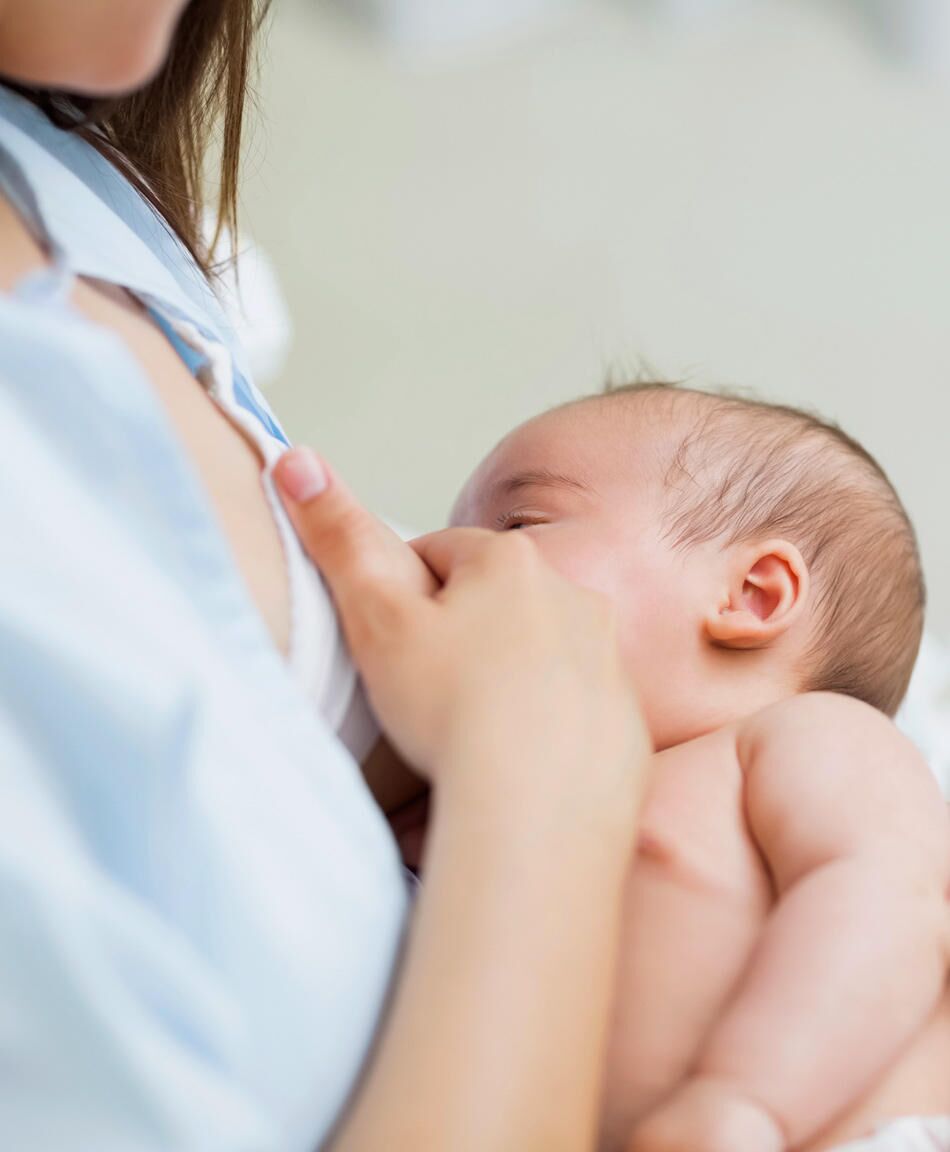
(506, 686)
(496, 1034)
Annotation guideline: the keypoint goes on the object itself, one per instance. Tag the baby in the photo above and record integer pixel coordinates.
(783, 980)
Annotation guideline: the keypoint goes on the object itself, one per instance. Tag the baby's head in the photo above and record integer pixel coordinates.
(752, 550)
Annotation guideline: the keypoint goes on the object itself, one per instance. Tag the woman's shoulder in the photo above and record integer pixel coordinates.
(98, 221)
(71, 383)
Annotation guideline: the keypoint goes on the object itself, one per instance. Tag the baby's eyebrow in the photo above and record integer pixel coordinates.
(538, 478)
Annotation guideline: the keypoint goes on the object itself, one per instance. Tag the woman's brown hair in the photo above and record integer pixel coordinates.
(159, 136)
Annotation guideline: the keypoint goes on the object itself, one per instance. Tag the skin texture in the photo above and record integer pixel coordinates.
(92, 47)
(774, 818)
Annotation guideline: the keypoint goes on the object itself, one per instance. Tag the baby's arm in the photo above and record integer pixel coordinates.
(854, 955)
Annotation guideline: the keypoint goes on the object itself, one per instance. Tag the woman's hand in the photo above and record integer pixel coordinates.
(503, 684)
(472, 649)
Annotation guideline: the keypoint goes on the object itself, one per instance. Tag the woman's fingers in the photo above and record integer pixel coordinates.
(443, 552)
(507, 659)
(452, 550)
(365, 564)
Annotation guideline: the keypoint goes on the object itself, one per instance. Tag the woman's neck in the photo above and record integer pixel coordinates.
(20, 254)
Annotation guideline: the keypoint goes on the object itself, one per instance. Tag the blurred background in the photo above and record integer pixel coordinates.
(479, 208)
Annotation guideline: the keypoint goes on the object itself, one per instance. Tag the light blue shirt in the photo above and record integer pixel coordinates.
(200, 906)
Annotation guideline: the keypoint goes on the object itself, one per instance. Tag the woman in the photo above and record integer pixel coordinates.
(201, 908)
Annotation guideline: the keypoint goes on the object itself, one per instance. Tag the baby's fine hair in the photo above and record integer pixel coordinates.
(746, 470)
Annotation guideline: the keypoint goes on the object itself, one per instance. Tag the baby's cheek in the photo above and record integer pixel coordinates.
(599, 572)
(646, 633)
(587, 567)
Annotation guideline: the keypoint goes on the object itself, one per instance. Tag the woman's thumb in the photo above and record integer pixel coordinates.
(354, 550)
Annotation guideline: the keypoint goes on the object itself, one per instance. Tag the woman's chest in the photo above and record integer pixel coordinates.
(227, 463)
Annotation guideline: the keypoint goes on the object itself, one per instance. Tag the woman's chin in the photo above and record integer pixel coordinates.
(108, 49)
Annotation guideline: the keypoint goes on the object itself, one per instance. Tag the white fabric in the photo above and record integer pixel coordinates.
(318, 655)
(912, 1134)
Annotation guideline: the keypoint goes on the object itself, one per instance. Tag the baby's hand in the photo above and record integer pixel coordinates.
(708, 1115)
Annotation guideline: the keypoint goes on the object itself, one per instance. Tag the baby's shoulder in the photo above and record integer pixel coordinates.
(839, 774)
(827, 724)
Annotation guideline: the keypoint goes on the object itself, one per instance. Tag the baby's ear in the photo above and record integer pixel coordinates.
(767, 592)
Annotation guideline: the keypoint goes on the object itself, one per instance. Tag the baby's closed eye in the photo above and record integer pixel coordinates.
(519, 518)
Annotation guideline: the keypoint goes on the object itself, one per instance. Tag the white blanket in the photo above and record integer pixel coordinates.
(915, 1134)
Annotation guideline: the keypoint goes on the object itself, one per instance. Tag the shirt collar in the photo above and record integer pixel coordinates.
(100, 224)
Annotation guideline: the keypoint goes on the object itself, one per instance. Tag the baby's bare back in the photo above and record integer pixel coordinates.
(699, 895)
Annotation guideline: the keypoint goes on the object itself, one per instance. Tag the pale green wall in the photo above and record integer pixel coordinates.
(764, 202)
